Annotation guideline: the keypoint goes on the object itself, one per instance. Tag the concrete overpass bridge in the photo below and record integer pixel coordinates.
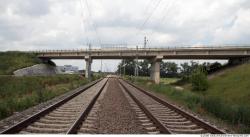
(155, 55)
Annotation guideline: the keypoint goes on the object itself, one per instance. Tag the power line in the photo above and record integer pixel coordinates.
(147, 19)
(166, 9)
(83, 25)
(93, 24)
(148, 5)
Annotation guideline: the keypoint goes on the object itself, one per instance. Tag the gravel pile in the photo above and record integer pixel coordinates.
(115, 113)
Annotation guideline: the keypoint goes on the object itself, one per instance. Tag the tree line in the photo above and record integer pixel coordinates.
(192, 72)
(167, 69)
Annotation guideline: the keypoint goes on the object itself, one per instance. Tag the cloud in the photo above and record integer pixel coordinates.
(25, 8)
(67, 24)
(237, 32)
(31, 8)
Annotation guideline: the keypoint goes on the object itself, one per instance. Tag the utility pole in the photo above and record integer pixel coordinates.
(136, 62)
(89, 46)
(145, 42)
(101, 65)
(124, 73)
(101, 60)
(120, 70)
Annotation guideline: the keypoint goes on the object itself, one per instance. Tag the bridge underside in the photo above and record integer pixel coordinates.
(155, 62)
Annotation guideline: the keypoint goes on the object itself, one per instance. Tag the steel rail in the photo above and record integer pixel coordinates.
(196, 120)
(24, 123)
(75, 126)
(158, 123)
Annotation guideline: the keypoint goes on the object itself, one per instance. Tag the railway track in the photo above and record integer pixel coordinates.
(89, 125)
(77, 113)
(65, 116)
(159, 116)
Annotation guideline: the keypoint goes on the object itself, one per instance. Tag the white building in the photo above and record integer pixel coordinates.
(69, 69)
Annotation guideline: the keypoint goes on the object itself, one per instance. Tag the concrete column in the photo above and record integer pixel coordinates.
(155, 69)
(88, 61)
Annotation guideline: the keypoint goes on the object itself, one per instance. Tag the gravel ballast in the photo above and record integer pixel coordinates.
(115, 113)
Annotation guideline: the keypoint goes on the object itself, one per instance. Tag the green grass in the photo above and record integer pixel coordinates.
(11, 61)
(227, 98)
(169, 80)
(19, 93)
(98, 75)
(163, 80)
(233, 86)
(164, 88)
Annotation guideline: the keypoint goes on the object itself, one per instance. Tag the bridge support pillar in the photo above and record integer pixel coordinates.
(88, 61)
(155, 69)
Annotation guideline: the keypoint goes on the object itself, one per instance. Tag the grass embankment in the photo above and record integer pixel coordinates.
(20, 93)
(227, 98)
(11, 61)
(163, 80)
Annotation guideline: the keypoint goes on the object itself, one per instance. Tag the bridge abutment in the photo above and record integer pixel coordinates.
(237, 61)
(155, 69)
(88, 61)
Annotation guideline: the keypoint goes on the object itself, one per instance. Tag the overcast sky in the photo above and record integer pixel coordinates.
(70, 24)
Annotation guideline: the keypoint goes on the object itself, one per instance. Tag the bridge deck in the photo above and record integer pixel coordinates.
(148, 53)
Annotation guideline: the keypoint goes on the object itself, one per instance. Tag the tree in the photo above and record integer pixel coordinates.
(144, 68)
(199, 79)
(214, 66)
(169, 69)
(194, 66)
(185, 71)
(206, 66)
(127, 66)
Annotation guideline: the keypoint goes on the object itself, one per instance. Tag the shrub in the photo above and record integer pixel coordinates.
(199, 80)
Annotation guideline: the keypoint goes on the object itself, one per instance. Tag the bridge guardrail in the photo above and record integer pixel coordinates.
(140, 48)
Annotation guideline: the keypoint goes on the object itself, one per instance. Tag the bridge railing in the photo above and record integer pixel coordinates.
(140, 48)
